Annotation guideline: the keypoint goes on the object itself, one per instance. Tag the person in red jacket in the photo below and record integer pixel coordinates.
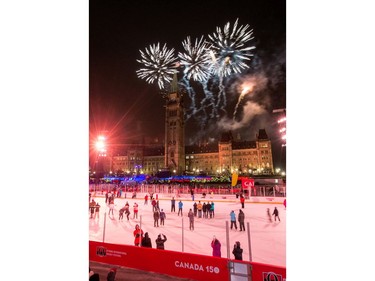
(138, 234)
(242, 200)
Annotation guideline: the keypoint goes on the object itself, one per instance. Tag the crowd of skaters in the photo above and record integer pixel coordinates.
(198, 210)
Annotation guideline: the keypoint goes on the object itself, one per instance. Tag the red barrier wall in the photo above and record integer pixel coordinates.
(185, 265)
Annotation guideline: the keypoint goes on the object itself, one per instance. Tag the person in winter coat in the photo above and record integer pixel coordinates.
(111, 276)
(237, 251)
(146, 241)
(135, 211)
(191, 219)
(162, 217)
(156, 218)
(241, 220)
(212, 210)
(269, 214)
(138, 234)
(97, 208)
(233, 220)
(121, 213)
(276, 213)
(199, 207)
(216, 247)
(242, 200)
(180, 205)
(173, 205)
(160, 241)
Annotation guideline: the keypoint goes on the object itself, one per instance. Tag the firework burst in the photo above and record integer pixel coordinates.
(230, 49)
(159, 65)
(196, 59)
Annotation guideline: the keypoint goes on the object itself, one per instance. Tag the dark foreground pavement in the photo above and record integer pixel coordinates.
(129, 274)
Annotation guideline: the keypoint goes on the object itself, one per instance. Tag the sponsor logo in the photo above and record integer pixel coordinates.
(101, 251)
(197, 267)
(272, 276)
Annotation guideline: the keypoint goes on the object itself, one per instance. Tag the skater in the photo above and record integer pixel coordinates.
(97, 207)
(241, 220)
(233, 220)
(127, 211)
(162, 217)
(216, 247)
(180, 205)
(199, 207)
(173, 205)
(153, 203)
(237, 251)
(191, 219)
(160, 241)
(146, 241)
(121, 213)
(135, 211)
(276, 213)
(92, 208)
(146, 199)
(192, 194)
(269, 215)
(284, 203)
(208, 209)
(242, 200)
(195, 208)
(212, 210)
(156, 218)
(111, 205)
(138, 234)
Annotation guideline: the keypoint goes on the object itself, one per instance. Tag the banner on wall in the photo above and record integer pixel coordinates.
(247, 183)
(184, 265)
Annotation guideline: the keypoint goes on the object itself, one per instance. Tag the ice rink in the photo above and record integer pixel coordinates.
(267, 239)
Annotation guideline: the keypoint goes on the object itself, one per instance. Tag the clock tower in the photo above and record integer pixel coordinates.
(174, 130)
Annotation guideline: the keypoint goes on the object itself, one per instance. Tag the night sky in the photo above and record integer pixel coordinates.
(125, 106)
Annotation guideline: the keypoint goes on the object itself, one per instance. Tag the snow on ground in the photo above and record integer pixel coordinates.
(267, 239)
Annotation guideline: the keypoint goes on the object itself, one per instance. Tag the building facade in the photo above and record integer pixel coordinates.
(225, 156)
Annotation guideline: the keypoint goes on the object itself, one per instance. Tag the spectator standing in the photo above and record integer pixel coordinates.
(216, 247)
(237, 251)
(146, 241)
(162, 217)
(233, 220)
(160, 241)
(173, 205)
(276, 213)
(191, 219)
(138, 234)
(241, 220)
(111, 276)
(180, 205)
